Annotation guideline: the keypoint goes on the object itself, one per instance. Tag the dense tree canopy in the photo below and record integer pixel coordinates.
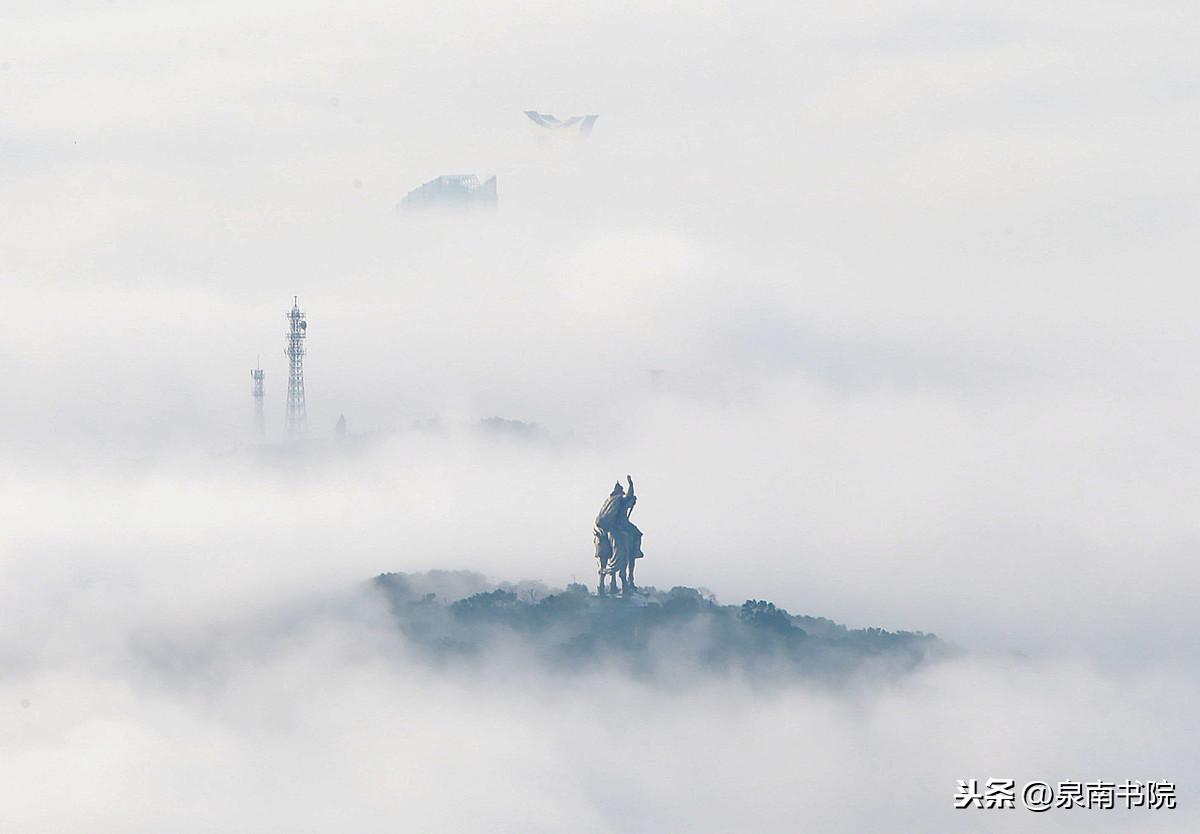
(456, 617)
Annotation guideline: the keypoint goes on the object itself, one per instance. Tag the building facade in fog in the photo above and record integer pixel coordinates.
(546, 126)
(454, 191)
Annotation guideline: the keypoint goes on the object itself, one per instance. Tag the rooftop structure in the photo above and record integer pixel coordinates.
(546, 125)
(457, 191)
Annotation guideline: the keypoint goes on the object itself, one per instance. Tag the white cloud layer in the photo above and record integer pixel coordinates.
(888, 308)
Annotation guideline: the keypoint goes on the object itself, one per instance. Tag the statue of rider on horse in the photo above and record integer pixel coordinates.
(618, 540)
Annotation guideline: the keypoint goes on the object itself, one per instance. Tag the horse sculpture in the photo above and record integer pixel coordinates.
(618, 541)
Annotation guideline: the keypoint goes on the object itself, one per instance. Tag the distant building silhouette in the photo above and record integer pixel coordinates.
(546, 125)
(454, 191)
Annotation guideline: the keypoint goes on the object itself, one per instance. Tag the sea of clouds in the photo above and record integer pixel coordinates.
(887, 307)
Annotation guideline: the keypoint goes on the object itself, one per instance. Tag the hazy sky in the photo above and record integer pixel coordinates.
(916, 282)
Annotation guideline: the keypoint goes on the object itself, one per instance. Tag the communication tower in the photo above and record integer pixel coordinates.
(260, 428)
(296, 414)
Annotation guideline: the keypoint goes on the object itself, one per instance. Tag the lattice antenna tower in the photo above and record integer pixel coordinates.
(260, 426)
(297, 417)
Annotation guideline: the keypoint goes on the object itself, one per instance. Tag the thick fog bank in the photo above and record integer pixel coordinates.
(326, 716)
(890, 310)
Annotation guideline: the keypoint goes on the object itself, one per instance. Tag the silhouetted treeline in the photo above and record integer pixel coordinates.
(456, 616)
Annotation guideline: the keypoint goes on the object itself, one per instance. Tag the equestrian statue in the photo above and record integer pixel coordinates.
(618, 541)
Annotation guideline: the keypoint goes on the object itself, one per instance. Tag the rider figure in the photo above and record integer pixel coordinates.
(618, 540)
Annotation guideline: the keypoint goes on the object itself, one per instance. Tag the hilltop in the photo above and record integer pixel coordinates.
(456, 617)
